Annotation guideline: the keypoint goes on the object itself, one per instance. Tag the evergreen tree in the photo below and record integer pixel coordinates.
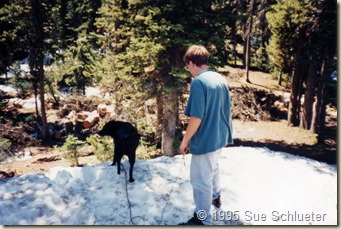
(148, 39)
(283, 36)
(29, 30)
(321, 33)
(234, 19)
(76, 23)
(39, 37)
(304, 39)
(13, 30)
(286, 20)
(254, 29)
(261, 36)
(81, 59)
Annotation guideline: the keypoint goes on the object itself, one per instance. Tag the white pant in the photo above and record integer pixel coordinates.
(205, 180)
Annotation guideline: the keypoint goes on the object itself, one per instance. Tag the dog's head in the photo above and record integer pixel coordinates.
(118, 129)
(110, 129)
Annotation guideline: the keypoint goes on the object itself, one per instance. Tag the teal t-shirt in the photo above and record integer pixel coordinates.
(209, 100)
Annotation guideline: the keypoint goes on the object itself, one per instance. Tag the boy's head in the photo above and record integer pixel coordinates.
(198, 54)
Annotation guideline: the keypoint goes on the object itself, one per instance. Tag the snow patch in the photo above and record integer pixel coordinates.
(259, 187)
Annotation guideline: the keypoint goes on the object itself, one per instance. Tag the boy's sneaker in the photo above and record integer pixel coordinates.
(193, 221)
(216, 202)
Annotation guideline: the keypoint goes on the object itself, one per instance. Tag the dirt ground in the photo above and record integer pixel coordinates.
(275, 135)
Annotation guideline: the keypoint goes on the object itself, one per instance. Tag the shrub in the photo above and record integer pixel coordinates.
(102, 147)
(71, 145)
(5, 145)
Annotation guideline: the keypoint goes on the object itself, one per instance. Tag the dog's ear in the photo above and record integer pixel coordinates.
(105, 131)
(109, 129)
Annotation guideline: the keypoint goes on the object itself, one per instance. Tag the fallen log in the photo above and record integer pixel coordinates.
(91, 120)
(102, 110)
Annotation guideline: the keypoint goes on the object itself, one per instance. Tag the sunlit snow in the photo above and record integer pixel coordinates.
(259, 187)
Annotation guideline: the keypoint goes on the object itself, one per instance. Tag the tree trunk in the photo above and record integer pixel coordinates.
(160, 117)
(247, 59)
(234, 43)
(170, 117)
(299, 69)
(280, 78)
(293, 119)
(309, 97)
(35, 89)
(248, 42)
(244, 21)
(322, 119)
(319, 116)
(36, 60)
(45, 133)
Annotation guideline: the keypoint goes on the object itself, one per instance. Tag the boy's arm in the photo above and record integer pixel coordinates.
(192, 127)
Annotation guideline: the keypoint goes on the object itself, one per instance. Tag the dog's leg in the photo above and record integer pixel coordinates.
(114, 159)
(118, 166)
(119, 158)
(114, 162)
(132, 162)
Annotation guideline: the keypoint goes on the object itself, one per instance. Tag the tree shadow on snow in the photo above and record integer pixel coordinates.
(319, 152)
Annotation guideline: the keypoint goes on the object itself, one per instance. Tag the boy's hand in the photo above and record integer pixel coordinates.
(183, 147)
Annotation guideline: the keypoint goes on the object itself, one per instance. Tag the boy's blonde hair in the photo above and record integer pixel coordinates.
(198, 54)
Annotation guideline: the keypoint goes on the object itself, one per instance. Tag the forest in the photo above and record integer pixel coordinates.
(133, 49)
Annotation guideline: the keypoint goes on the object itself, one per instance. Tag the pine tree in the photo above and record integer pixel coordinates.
(29, 30)
(71, 146)
(286, 21)
(321, 34)
(148, 39)
(76, 23)
(81, 59)
(304, 40)
(13, 27)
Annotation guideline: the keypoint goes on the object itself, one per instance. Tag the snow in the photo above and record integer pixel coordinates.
(23, 156)
(92, 91)
(24, 69)
(259, 187)
(9, 89)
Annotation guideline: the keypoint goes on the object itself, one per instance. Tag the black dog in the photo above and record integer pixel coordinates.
(126, 139)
